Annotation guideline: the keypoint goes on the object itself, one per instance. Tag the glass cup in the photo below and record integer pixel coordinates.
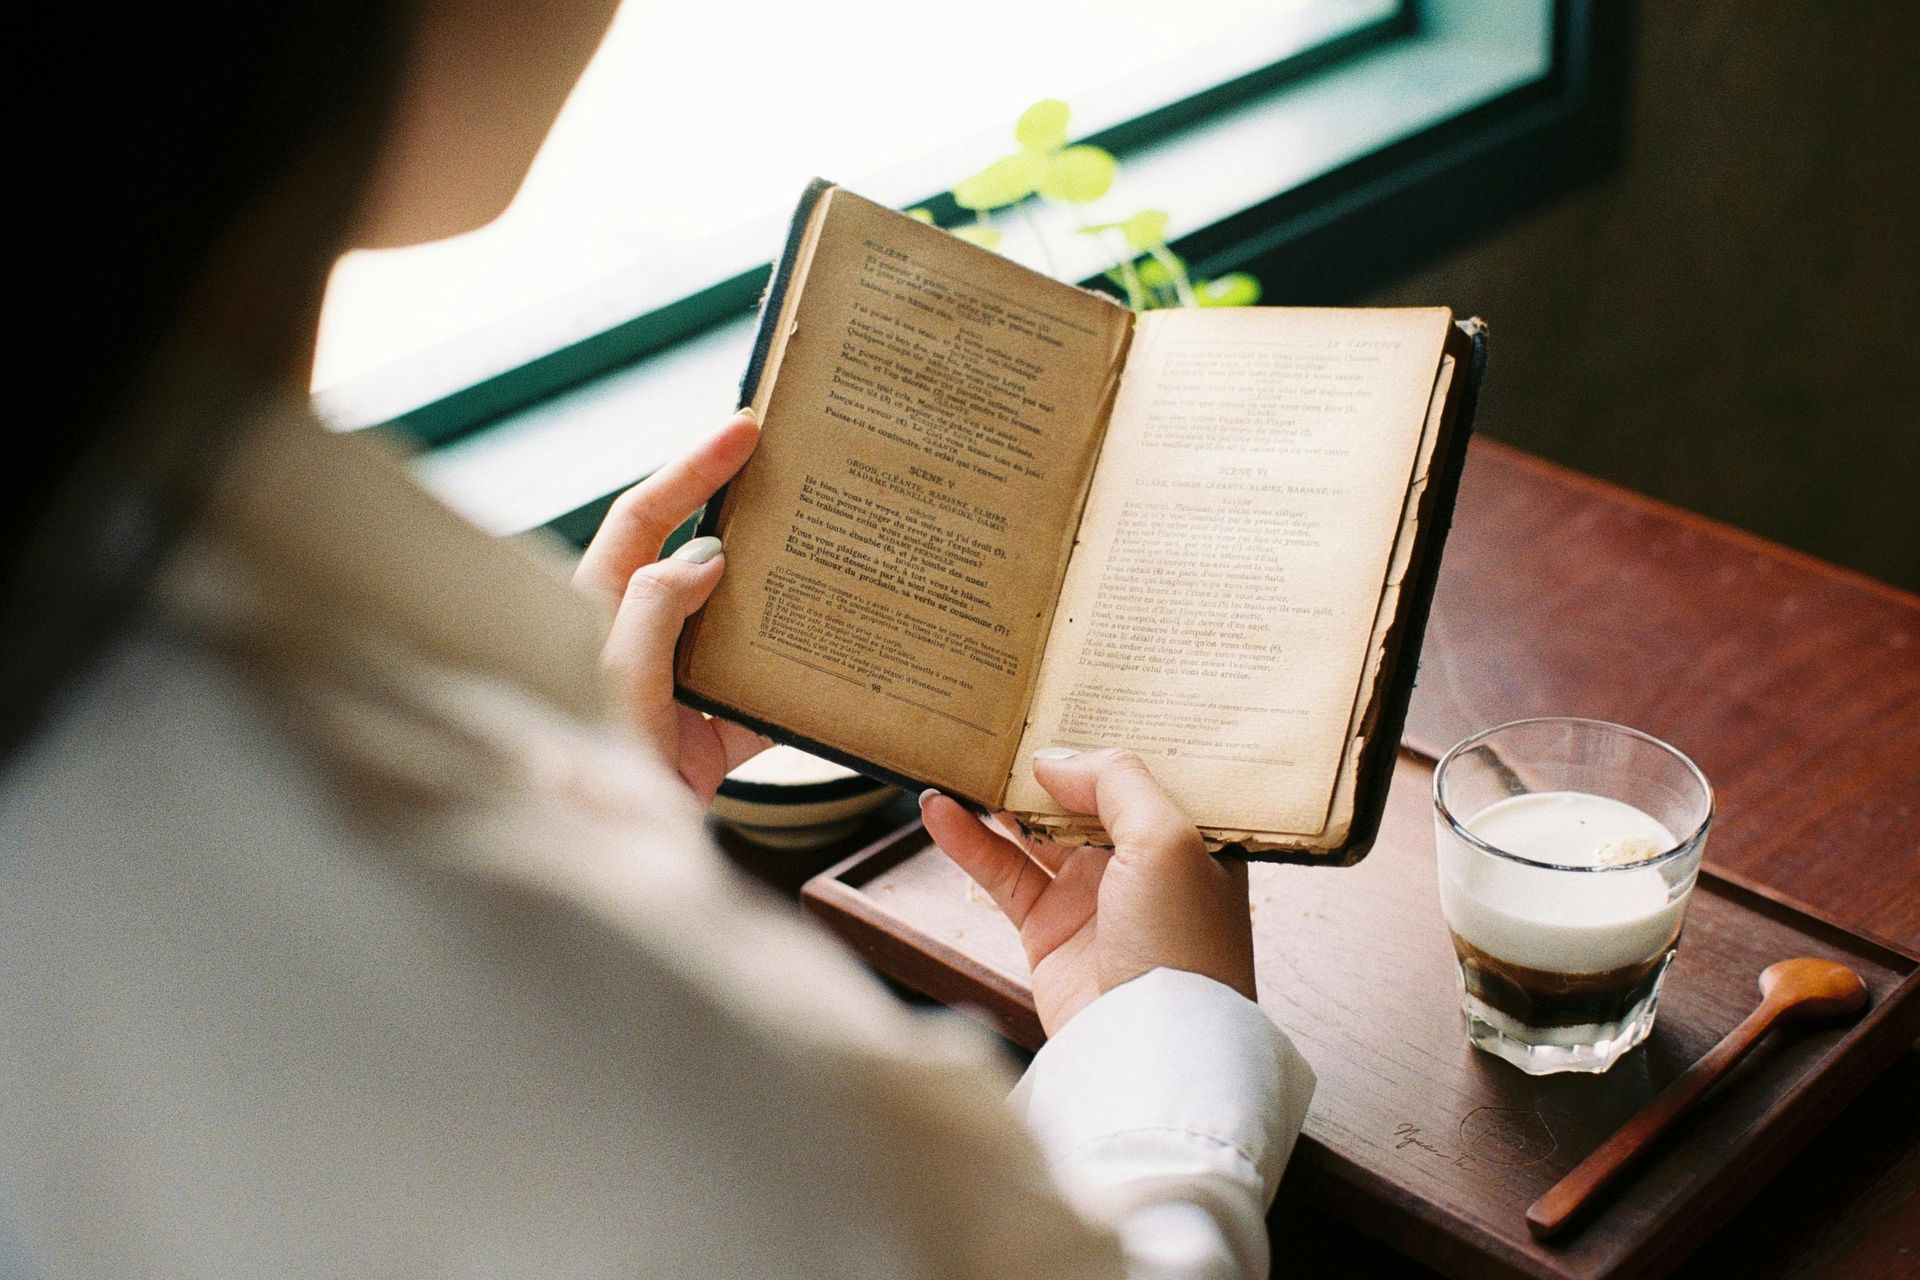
(1567, 850)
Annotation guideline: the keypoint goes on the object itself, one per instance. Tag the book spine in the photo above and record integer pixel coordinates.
(771, 304)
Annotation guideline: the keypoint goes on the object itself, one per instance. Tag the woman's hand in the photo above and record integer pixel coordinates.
(1092, 919)
(652, 598)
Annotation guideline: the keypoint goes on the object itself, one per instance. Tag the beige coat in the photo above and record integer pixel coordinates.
(342, 935)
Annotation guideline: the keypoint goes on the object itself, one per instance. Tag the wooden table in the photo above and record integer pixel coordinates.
(1796, 686)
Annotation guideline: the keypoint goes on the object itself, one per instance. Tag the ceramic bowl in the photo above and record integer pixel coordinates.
(784, 798)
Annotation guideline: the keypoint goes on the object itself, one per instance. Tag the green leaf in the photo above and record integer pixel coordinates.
(1145, 229)
(1078, 175)
(1235, 290)
(921, 215)
(1154, 272)
(1006, 181)
(1043, 126)
(983, 234)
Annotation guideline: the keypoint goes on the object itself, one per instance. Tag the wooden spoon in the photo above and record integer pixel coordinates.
(1790, 991)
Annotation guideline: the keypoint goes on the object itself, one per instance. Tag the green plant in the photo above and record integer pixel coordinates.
(1046, 168)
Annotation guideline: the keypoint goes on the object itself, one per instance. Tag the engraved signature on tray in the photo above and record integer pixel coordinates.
(1504, 1137)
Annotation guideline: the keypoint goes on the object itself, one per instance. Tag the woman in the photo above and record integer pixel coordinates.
(355, 906)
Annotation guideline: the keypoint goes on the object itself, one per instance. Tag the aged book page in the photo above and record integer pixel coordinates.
(1220, 606)
(1399, 564)
(895, 544)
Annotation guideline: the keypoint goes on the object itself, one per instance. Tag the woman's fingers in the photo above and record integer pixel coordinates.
(1164, 902)
(1117, 787)
(739, 743)
(1007, 875)
(640, 519)
(1045, 852)
(654, 598)
(710, 749)
(658, 600)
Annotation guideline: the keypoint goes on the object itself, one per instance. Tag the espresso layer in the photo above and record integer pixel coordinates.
(1543, 998)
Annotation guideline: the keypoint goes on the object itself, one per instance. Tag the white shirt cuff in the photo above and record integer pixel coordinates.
(1171, 1088)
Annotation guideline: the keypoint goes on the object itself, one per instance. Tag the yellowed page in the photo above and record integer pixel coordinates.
(1340, 812)
(895, 545)
(1217, 613)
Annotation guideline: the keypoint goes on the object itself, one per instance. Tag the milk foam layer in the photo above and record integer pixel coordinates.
(1559, 921)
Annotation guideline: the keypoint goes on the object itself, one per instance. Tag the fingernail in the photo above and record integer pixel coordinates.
(697, 551)
(929, 794)
(746, 411)
(1055, 753)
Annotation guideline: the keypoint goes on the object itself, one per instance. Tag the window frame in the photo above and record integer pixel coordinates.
(1367, 223)
(1327, 240)
(553, 364)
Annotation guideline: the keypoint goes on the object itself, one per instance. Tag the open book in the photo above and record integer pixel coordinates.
(991, 513)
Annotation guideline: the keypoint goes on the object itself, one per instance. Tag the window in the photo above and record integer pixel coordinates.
(671, 170)
(568, 349)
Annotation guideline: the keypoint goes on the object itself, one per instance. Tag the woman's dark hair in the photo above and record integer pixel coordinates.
(166, 125)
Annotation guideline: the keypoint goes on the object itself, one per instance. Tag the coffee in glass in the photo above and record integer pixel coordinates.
(1567, 850)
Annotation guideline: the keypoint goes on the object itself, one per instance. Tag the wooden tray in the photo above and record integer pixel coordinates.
(1413, 1137)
